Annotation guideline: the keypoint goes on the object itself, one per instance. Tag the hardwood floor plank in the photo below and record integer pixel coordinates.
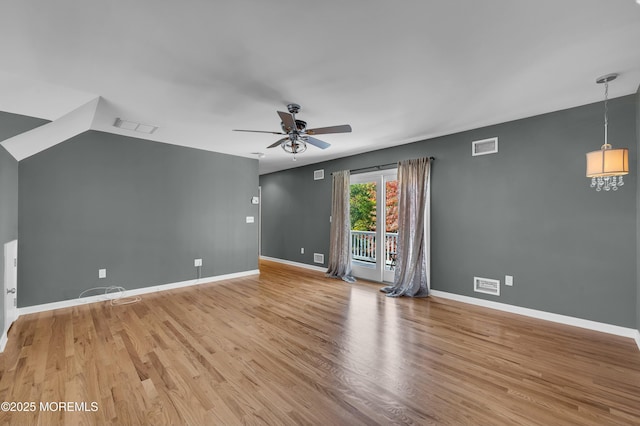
(292, 347)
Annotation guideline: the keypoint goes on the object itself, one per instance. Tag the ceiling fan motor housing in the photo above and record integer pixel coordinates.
(300, 125)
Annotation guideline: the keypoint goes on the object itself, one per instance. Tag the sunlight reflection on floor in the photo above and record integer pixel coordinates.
(372, 338)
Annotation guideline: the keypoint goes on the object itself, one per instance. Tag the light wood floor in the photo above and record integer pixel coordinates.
(292, 347)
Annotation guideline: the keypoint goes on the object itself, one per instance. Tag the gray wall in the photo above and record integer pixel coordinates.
(638, 207)
(527, 211)
(8, 213)
(10, 125)
(142, 210)
(13, 124)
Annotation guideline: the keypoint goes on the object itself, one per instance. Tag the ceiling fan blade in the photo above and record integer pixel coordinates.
(317, 142)
(287, 119)
(345, 128)
(259, 131)
(278, 143)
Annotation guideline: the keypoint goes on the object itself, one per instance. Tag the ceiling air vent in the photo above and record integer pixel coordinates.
(136, 127)
(318, 174)
(484, 146)
(486, 285)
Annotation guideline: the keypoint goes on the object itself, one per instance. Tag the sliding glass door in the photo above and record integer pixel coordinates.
(374, 224)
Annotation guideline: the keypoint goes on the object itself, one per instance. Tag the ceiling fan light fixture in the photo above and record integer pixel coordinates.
(297, 146)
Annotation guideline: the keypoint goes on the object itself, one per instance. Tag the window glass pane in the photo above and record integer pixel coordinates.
(363, 204)
(391, 223)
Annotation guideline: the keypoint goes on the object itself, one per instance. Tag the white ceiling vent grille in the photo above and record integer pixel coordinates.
(318, 257)
(486, 285)
(318, 174)
(484, 146)
(136, 127)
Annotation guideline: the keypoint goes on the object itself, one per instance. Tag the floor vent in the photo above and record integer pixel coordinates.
(318, 174)
(484, 146)
(486, 285)
(318, 258)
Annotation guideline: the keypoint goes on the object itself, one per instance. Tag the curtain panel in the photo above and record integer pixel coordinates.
(412, 268)
(339, 245)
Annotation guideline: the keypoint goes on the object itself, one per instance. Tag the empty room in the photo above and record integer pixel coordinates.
(320, 213)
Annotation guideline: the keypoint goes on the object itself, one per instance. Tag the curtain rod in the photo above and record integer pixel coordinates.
(380, 167)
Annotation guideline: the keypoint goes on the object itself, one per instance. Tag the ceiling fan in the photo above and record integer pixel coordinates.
(297, 135)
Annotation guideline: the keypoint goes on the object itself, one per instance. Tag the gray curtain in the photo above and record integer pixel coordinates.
(412, 263)
(339, 250)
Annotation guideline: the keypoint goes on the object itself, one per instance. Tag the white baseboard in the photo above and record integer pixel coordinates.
(128, 293)
(562, 319)
(300, 265)
(3, 341)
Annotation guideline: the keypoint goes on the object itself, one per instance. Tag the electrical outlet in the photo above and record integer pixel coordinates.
(508, 280)
(301, 250)
(102, 273)
(197, 262)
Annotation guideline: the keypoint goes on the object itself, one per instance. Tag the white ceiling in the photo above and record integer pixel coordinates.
(397, 71)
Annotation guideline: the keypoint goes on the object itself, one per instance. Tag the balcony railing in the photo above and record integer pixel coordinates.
(363, 246)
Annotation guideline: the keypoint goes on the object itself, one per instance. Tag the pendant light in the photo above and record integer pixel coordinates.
(606, 166)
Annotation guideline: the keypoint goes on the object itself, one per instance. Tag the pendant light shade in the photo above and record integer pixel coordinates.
(608, 162)
(604, 165)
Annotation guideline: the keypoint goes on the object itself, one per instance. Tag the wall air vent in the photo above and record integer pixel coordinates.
(486, 285)
(484, 146)
(318, 257)
(318, 174)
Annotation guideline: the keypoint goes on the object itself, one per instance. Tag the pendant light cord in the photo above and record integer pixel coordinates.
(606, 113)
